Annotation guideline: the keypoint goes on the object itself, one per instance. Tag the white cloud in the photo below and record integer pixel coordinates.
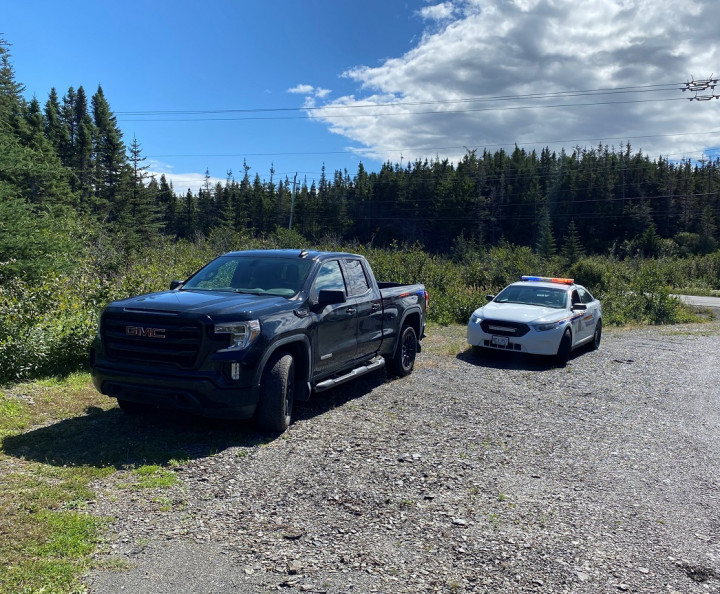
(438, 12)
(322, 93)
(500, 72)
(301, 89)
(309, 90)
(181, 182)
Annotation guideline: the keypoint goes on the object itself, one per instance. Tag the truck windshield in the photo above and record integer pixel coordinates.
(252, 274)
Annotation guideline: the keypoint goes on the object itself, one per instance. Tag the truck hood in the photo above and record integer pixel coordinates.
(217, 303)
(517, 312)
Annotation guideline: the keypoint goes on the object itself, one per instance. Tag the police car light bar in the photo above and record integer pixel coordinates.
(547, 279)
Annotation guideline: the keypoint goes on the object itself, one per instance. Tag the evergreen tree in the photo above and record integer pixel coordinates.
(167, 201)
(109, 149)
(35, 129)
(12, 104)
(137, 210)
(187, 221)
(545, 245)
(55, 129)
(707, 242)
(572, 248)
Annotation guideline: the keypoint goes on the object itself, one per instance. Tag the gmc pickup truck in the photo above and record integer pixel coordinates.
(254, 331)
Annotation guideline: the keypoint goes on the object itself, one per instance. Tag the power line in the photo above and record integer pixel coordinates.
(551, 95)
(400, 113)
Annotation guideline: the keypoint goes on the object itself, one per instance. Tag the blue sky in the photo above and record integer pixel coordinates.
(295, 84)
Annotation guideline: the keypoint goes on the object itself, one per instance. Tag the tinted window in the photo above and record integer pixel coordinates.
(329, 277)
(215, 276)
(357, 280)
(251, 274)
(585, 296)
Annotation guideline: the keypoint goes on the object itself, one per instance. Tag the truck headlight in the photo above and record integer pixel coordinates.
(242, 333)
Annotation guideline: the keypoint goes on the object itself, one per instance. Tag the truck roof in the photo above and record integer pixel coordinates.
(310, 254)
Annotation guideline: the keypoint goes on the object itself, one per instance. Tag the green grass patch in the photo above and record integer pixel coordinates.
(155, 477)
(59, 435)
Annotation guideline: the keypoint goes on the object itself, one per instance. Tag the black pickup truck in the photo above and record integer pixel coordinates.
(253, 331)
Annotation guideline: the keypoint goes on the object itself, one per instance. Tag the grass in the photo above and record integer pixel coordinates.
(45, 537)
(155, 477)
(448, 340)
(57, 437)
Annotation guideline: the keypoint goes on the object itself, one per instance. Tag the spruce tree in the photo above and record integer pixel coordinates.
(545, 245)
(144, 211)
(572, 248)
(56, 129)
(12, 104)
(168, 203)
(109, 149)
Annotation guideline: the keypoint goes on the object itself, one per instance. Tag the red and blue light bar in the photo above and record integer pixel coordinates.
(547, 279)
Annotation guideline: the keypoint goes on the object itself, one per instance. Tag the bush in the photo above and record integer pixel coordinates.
(46, 327)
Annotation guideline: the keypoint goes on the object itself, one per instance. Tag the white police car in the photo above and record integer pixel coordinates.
(540, 316)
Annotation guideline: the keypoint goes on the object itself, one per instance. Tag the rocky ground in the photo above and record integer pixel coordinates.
(474, 474)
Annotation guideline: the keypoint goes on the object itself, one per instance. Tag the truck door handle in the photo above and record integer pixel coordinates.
(375, 307)
(350, 310)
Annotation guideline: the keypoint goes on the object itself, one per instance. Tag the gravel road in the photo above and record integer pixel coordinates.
(474, 474)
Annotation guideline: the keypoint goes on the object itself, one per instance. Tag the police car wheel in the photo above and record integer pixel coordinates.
(563, 354)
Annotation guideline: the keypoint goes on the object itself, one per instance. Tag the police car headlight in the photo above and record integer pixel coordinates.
(475, 318)
(546, 327)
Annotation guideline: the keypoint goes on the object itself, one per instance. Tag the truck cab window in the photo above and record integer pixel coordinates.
(357, 281)
(329, 277)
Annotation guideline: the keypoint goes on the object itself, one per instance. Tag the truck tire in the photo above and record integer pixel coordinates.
(277, 390)
(403, 360)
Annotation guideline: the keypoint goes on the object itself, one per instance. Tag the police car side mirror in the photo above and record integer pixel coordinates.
(579, 306)
(489, 297)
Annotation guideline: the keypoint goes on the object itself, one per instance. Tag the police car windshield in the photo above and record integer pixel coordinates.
(254, 275)
(535, 295)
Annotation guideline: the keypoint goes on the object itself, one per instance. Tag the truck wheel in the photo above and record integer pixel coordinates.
(403, 360)
(133, 408)
(276, 394)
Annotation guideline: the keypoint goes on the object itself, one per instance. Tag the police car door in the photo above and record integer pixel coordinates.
(591, 313)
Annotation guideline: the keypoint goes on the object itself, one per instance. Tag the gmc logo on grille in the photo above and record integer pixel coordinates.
(145, 332)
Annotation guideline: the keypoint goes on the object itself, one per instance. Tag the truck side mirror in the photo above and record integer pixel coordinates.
(328, 297)
(176, 284)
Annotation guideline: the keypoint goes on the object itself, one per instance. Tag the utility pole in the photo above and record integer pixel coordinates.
(699, 86)
(292, 202)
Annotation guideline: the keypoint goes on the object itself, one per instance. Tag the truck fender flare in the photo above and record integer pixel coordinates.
(412, 310)
(298, 341)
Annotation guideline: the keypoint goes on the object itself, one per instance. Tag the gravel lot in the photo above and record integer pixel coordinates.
(492, 474)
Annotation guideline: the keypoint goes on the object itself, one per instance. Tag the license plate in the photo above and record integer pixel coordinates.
(501, 341)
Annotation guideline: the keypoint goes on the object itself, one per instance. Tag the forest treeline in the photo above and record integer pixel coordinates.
(67, 161)
(82, 222)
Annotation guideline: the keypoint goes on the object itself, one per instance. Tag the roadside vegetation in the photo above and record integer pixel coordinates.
(47, 325)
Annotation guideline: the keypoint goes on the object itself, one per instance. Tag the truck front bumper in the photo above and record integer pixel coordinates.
(198, 395)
